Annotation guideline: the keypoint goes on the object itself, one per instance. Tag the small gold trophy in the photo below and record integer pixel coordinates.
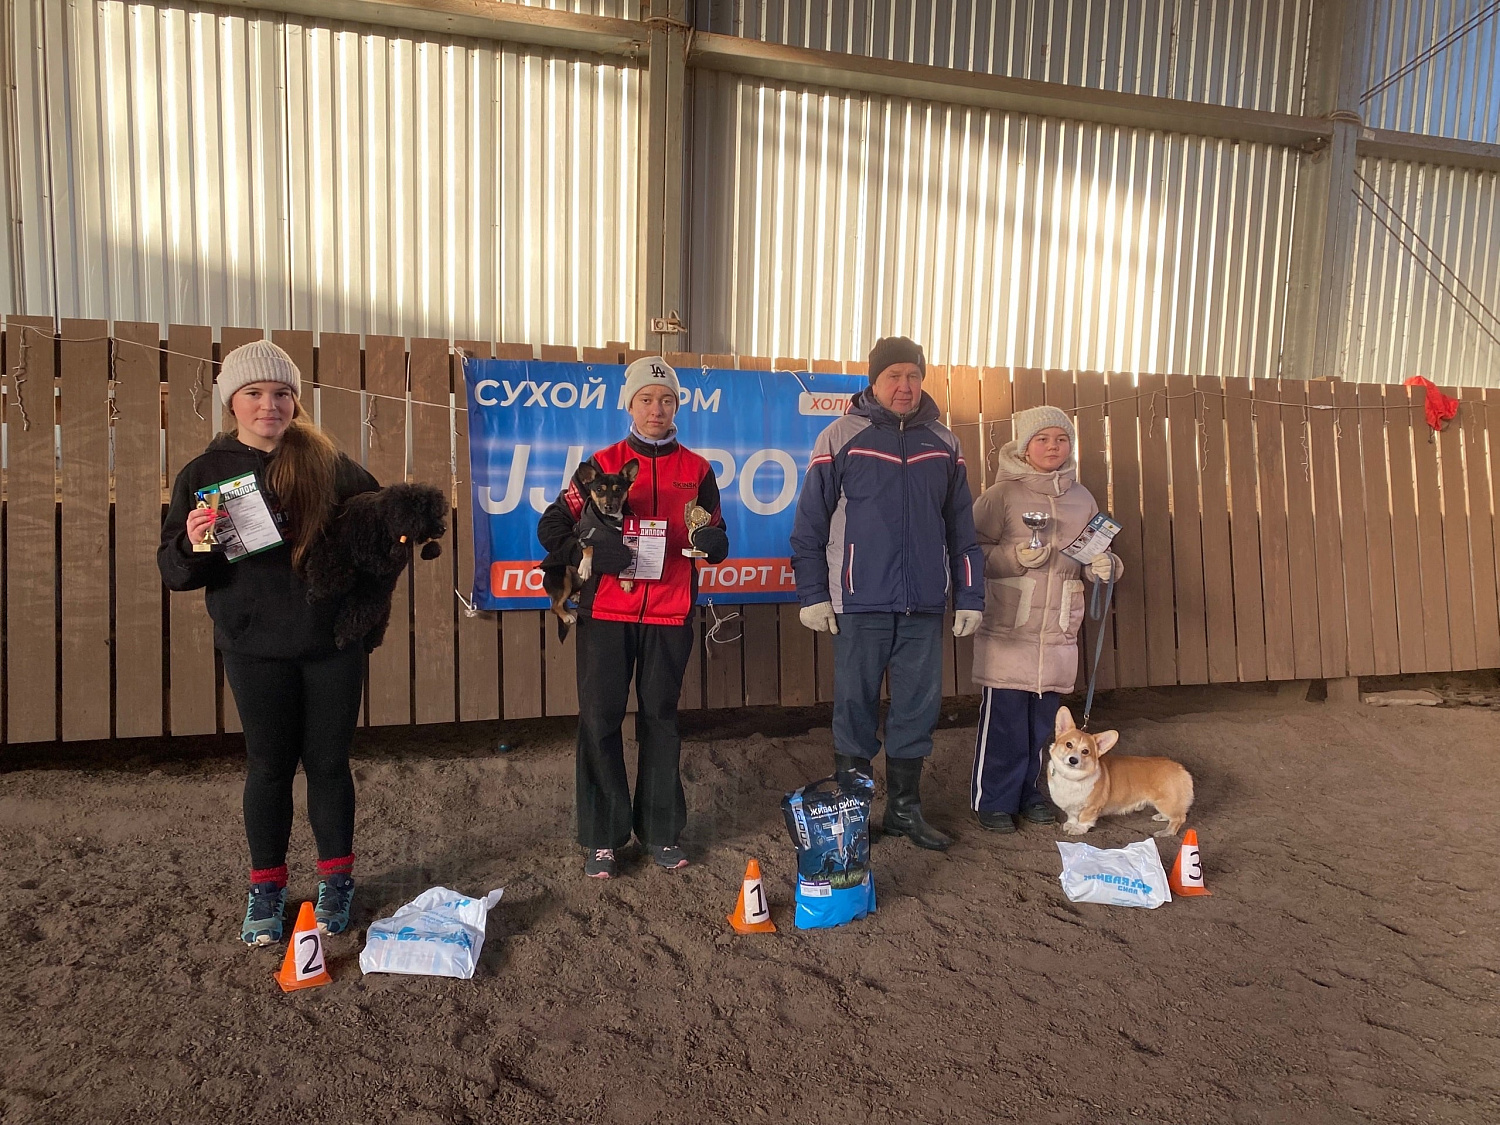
(211, 502)
(695, 517)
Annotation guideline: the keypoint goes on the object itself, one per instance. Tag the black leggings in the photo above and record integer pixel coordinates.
(297, 710)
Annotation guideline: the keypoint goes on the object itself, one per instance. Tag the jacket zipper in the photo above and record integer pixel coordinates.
(905, 510)
(646, 586)
(1041, 636)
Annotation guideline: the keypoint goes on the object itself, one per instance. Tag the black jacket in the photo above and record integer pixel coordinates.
(259, 605)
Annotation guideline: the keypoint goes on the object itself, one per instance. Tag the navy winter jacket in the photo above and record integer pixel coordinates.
(885, 521)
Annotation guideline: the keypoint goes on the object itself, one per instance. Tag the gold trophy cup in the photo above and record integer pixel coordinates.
(695, 517)
(210, 540)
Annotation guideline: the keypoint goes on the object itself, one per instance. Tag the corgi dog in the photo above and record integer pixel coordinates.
(606, 493)
(1087, 787)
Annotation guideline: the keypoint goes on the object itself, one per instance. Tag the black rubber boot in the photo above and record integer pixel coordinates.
(852, 763)
(903, 805)
(996, 821)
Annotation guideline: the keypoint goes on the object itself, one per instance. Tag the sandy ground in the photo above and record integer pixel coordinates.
(1344, 969)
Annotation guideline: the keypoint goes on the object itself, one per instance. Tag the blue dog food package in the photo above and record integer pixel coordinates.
(829, 822)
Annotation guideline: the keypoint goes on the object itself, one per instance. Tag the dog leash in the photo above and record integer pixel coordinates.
(1097, 613)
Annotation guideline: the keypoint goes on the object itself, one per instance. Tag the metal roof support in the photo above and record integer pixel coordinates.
(1323, 219)
(663, 115)
(628, 40)
(480, 19)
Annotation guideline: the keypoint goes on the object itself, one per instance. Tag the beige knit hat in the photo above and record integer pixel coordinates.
(648, 371)
(257, 362)
(1026, 423)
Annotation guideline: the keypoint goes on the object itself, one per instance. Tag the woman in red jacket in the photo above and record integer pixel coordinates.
(637, 628)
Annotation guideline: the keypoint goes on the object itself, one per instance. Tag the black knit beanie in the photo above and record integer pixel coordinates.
(895, 349)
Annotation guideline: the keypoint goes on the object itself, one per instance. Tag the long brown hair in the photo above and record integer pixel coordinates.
(302, 475)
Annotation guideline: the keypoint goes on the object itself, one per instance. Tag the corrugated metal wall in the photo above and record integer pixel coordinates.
(1246, 53)
(1426, 288)
(184, 163)
(821, 221)
(1435, 68)
(201, 166)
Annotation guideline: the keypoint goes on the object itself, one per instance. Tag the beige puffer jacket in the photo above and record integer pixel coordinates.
(1028, 640)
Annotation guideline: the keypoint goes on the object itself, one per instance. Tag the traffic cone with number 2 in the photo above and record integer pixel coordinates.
(303, 965)
(1187, 872)
(751, 914)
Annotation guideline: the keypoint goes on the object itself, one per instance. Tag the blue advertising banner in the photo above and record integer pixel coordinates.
(531, 424)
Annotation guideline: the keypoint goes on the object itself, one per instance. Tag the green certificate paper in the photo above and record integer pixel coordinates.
(246, 526)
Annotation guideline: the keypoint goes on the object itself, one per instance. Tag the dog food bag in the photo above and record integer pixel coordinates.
(437, 934)
(1128, 876)
(829, 822)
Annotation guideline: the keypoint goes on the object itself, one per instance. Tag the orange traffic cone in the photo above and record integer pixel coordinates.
(1187, 871)
(303, 965)
(751, 914)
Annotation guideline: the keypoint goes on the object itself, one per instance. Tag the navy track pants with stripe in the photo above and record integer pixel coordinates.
(1015, 727)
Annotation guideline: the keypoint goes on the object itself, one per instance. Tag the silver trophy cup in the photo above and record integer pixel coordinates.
(1036, 521)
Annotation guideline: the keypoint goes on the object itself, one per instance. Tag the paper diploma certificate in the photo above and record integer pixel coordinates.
(246, 526)
(1093, 540)
(647, 540)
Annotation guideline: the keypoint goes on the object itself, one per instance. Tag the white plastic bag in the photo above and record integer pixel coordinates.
(1128, 876)
(437, 934)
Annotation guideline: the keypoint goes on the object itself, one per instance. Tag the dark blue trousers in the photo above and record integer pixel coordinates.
(866, 645)
(1015, 727)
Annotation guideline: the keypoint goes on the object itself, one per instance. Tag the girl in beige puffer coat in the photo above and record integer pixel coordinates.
(1026, 649)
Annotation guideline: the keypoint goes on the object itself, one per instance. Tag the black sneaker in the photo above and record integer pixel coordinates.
(996, 821)
(601, 864)
(1039, 813)
(669, 856)
(335, 897)
(263, 914)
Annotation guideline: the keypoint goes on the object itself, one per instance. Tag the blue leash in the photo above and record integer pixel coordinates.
(1097, 613)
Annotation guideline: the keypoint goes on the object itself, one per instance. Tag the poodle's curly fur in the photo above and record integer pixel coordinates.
(362, 554)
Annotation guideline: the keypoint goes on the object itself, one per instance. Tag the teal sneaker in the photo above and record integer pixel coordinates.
(263, 912)
(335, 896)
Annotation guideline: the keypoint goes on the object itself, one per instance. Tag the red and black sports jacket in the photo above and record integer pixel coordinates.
(669, 477)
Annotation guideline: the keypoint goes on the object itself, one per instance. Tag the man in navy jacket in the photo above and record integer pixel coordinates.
(884, 533)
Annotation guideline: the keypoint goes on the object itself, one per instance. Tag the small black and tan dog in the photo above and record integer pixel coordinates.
(606, 494)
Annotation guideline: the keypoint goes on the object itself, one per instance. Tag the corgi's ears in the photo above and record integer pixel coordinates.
(1064, 722)
(1105, 741)
(632, 467)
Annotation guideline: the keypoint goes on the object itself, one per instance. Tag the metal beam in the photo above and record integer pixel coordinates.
(804, 66)
(661, 223)
(1388, 144)
(1323, 217)
(482, 19)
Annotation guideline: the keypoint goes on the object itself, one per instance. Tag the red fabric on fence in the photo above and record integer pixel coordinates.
(1440, 408)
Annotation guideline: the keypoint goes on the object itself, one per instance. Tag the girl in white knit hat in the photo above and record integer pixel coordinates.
(297, 694)
(1026, 649)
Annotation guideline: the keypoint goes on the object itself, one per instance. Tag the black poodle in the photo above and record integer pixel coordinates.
(364, 551)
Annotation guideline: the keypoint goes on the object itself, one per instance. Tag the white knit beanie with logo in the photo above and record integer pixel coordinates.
(648, 371)
(1025, 425)
(257, 362)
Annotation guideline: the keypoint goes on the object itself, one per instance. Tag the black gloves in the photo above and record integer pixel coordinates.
(713, 541)
(610, 553)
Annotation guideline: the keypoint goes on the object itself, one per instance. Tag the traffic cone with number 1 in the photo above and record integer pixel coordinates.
(303, 965)
(1187, 872)
(751, 914)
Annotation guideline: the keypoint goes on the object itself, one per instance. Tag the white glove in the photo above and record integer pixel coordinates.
(965, 621)
(819, 618)
(1033, 557)
(1106, 566)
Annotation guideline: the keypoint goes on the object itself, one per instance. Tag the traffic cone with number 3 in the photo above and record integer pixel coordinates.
(1187, 871)
(751, 914)
(303, 965)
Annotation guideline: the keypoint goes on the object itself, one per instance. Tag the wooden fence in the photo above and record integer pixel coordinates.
(1273, 530)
